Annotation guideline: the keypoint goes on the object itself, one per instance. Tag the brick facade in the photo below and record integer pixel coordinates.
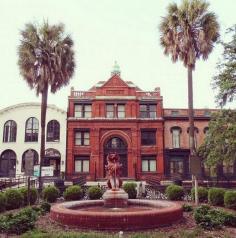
(118, 113)
(127, 128)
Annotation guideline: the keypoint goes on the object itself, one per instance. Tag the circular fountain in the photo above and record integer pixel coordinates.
(116, 211)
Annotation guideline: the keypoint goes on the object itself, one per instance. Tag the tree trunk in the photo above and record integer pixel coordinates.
(191, 126)
(42, 145)
(190, 112)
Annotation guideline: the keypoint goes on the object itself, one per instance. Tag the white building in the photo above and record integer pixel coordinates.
(20, 133)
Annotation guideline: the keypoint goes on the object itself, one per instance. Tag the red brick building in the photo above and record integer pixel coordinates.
(176, 152)
(115, 115)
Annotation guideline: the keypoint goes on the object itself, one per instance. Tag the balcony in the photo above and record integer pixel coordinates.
(148, 95)
(82, 94)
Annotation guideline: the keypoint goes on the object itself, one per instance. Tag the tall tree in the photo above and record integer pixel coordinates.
(188, 33)
(46, 62)
(225, 80)
(220, 143)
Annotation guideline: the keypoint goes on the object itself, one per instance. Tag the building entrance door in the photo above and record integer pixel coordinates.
(8, 164)
(115, 144)
(53, 158)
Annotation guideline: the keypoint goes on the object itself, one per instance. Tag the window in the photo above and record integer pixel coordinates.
(176, 136)
(207, 113)
(195, 136)
(9, 131)
(148, 163)
(147, 110)
(82, 164)
(228, 167)
(82, 138)
(110, 110)
(206, 130)
(210, 171)
(53, 131)
(148, 137)
(115, 111)
(31, 129)
(120, 111)
(83, 110)
(174, 112)
(176, 166)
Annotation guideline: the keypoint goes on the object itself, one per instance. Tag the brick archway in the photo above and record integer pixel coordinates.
(123, 152)
(108, 135)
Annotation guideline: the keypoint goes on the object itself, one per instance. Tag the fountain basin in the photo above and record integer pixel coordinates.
(140, 214)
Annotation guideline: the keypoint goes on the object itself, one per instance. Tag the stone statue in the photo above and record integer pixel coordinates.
(113, 169)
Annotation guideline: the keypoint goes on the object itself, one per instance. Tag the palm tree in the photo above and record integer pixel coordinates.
(46, 62)
(188, 33)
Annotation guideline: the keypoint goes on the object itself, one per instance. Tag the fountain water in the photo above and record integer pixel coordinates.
(116, 211)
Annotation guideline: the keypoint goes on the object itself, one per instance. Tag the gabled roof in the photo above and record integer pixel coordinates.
(115, 81)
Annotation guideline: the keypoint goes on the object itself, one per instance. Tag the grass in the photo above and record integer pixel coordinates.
(197, 232)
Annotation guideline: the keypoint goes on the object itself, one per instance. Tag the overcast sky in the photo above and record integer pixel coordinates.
(104, 31)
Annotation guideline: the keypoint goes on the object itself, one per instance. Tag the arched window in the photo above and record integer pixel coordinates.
(53, 131)
(29, 159)
(9, 132)
(175, 130)
(31, 129)
(195, 135)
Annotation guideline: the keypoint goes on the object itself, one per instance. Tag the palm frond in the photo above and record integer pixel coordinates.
(188, 31)
(54, 65)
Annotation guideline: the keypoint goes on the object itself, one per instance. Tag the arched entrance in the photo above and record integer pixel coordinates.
(8, 164)
(29, 158)
(53, 158)
(116, 144)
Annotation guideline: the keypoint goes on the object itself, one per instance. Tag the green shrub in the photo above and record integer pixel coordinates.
(45, 207)
(174, 192)
(14, 198)
(130, 188)
(230, 199)
(209, 218)
(94, 192)
(18, 223)
(3, 202)
(230, 219)
(187, 208)
(73, 192)
(33, 195)
(202, 194)
(216, 196)
(50, 193)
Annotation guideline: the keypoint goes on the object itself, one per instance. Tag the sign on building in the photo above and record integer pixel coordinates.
(36, 170)
(46, 171)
